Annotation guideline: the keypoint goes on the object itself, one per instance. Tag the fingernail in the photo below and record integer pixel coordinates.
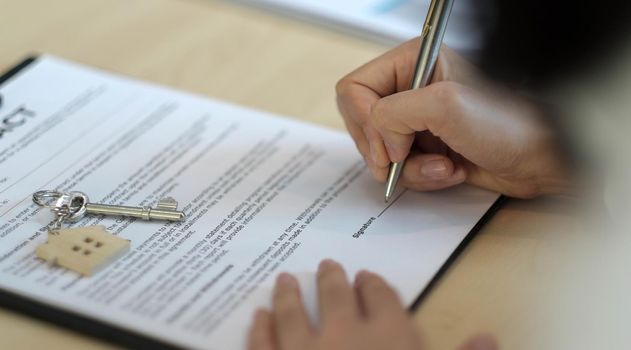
(375, 172)
(389, 149)
(285, 280)
(436, 169)
(373, 154)
(361, 276)
(482, 342)
(326, 264)
(260, 313)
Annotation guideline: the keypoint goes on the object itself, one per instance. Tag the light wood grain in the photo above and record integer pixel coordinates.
(500, 284)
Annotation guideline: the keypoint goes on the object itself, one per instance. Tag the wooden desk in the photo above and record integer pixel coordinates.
(276, 64)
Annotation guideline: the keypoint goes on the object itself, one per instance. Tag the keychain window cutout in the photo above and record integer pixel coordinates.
(85, 250)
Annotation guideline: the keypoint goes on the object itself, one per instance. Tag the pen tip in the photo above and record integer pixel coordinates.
(387, 199)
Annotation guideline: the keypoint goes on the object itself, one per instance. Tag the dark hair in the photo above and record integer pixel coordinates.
(534, 42)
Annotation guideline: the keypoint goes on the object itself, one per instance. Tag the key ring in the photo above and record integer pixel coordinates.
(45, 199)
(70, 206)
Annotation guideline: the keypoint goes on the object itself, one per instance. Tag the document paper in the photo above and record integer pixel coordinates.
(262, 194)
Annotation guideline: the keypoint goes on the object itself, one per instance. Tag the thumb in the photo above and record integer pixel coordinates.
(431, 172)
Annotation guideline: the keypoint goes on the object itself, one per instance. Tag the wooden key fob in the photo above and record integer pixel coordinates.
(83, 249)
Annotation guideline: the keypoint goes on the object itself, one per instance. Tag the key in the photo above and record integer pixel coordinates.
(165, 210)
(88, 249)
(79, 205)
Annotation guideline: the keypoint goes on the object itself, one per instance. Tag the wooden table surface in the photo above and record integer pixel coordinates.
(504, 283)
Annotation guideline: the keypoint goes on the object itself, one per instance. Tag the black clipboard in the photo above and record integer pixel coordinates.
(131, 339)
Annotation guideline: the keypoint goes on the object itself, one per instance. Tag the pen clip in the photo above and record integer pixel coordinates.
(426, 29)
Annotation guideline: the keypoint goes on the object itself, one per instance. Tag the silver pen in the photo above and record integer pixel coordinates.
(431, 39)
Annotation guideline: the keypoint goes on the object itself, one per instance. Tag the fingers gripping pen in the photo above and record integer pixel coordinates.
(431, 39)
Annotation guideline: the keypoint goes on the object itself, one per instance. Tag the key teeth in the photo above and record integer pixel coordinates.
(167, 203)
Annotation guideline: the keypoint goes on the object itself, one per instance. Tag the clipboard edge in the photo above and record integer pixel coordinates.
(497, 205)
(60, 317)
(13, 71)
(122, 336)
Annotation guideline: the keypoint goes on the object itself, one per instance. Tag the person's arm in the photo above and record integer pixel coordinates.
(460, 128)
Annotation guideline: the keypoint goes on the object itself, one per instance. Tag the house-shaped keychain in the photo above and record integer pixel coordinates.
(83, 249)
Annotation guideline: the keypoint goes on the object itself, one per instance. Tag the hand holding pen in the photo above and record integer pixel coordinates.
(459, 128)
(431, 39)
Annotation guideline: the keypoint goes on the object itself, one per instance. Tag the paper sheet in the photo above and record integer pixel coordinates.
(391, 21)
(263, 195)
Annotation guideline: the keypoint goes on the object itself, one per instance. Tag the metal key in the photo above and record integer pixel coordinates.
(79, 205)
